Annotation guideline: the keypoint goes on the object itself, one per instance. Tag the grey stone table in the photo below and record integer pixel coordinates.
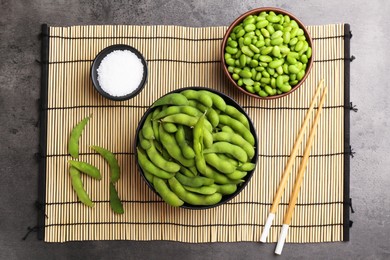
(19, 90)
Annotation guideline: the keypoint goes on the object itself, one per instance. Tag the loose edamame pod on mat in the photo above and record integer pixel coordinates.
(86, 168)
(166, 194)
(115, 202)
(112, 162)
(73, 144)
(78, 187)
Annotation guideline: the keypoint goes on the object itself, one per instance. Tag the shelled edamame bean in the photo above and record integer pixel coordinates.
(267, 54)
(198, 162)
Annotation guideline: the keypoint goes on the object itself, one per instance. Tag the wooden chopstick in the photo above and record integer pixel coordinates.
(289, 164)
(299, 178)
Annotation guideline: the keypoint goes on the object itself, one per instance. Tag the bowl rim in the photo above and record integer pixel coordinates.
(256, 11)
(232, 102)
(98, 59)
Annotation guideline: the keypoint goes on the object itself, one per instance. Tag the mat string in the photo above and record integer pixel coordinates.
(30, 230)
(40, 207)
(353, 107)
(350, 205)
(352, 58)
(351, 152)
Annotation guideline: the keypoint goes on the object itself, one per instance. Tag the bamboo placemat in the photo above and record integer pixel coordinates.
(179, 57)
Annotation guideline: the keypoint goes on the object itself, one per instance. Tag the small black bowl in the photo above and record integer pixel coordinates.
(96, 63)
(229, 101)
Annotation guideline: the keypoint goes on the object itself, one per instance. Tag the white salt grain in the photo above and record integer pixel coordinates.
(120, 73)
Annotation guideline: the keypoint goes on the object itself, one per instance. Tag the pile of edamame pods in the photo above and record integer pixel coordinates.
(194, 148)
(77, 167)
(267, 54)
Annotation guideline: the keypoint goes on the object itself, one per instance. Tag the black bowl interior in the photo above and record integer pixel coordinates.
(247, 178)
(98, 60)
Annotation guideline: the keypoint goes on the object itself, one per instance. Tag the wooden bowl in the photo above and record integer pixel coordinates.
(238, 21)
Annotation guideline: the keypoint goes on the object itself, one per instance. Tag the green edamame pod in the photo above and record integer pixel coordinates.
(217, 101)
(170, 144)
(221, 165)
(199, 96)
(248, 166)
(171, 110)
(144, 143)
(115, 202)
(225, 189)
(228, 148)
(158, 160)
(86, 168)
(235, 139)
(180, 118)
(198, 145)
(147, 129)
(186, 150)
(238, 127)
(166, 194)
(236, 114)
(192, 198)
(211, 114)
(169, 127)
(171, 99)
(187, 172)
(207, 138)
(196, 181)
(155, 123)
(73, 144)
(148, 166)
(237, 175)
(205, 190)
(148, 176)
(78, 187)
(112, 162)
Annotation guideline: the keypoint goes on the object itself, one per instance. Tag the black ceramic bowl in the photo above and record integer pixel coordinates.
(228, 101)
(96, 63)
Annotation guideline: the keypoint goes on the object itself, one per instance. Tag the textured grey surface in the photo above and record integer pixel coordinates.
(19, 90)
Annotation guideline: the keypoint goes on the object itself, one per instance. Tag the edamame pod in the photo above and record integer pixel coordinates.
(228, 148)
(158, 160)
(238, 127)
(225, 189)
(199, 96)
(186, 150)
(192, 198)
(236, 114)
(205, 190)
(78, 187)
(115, 202)
(166, 194)
(86, 168)
(171, 110)
(221, 165)
(196, 181)
(73, 144)
(147, 129)
(112, 162)
(171, 99)
(148, 166)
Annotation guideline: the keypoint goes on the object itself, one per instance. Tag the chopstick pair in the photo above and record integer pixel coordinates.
(300, 174)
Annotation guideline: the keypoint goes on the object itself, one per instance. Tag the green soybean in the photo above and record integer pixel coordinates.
(196, 181)
(86, 168)
(238, 127)
(228, 148)
(158, 160)
(225, 189)
(186, 149)
(205, 190)
(78, 187)
(150, 167)
(221, 165)
(171, 99)
(169, 142)
(147, 129)
(112, 162)
(192, 198)
(166, 194)
(115, 202)
(73, 144)
(237, 140)
(169, 127)
(199, 96)
(171, 110)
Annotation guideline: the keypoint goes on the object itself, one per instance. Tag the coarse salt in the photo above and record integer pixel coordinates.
(120, 73)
